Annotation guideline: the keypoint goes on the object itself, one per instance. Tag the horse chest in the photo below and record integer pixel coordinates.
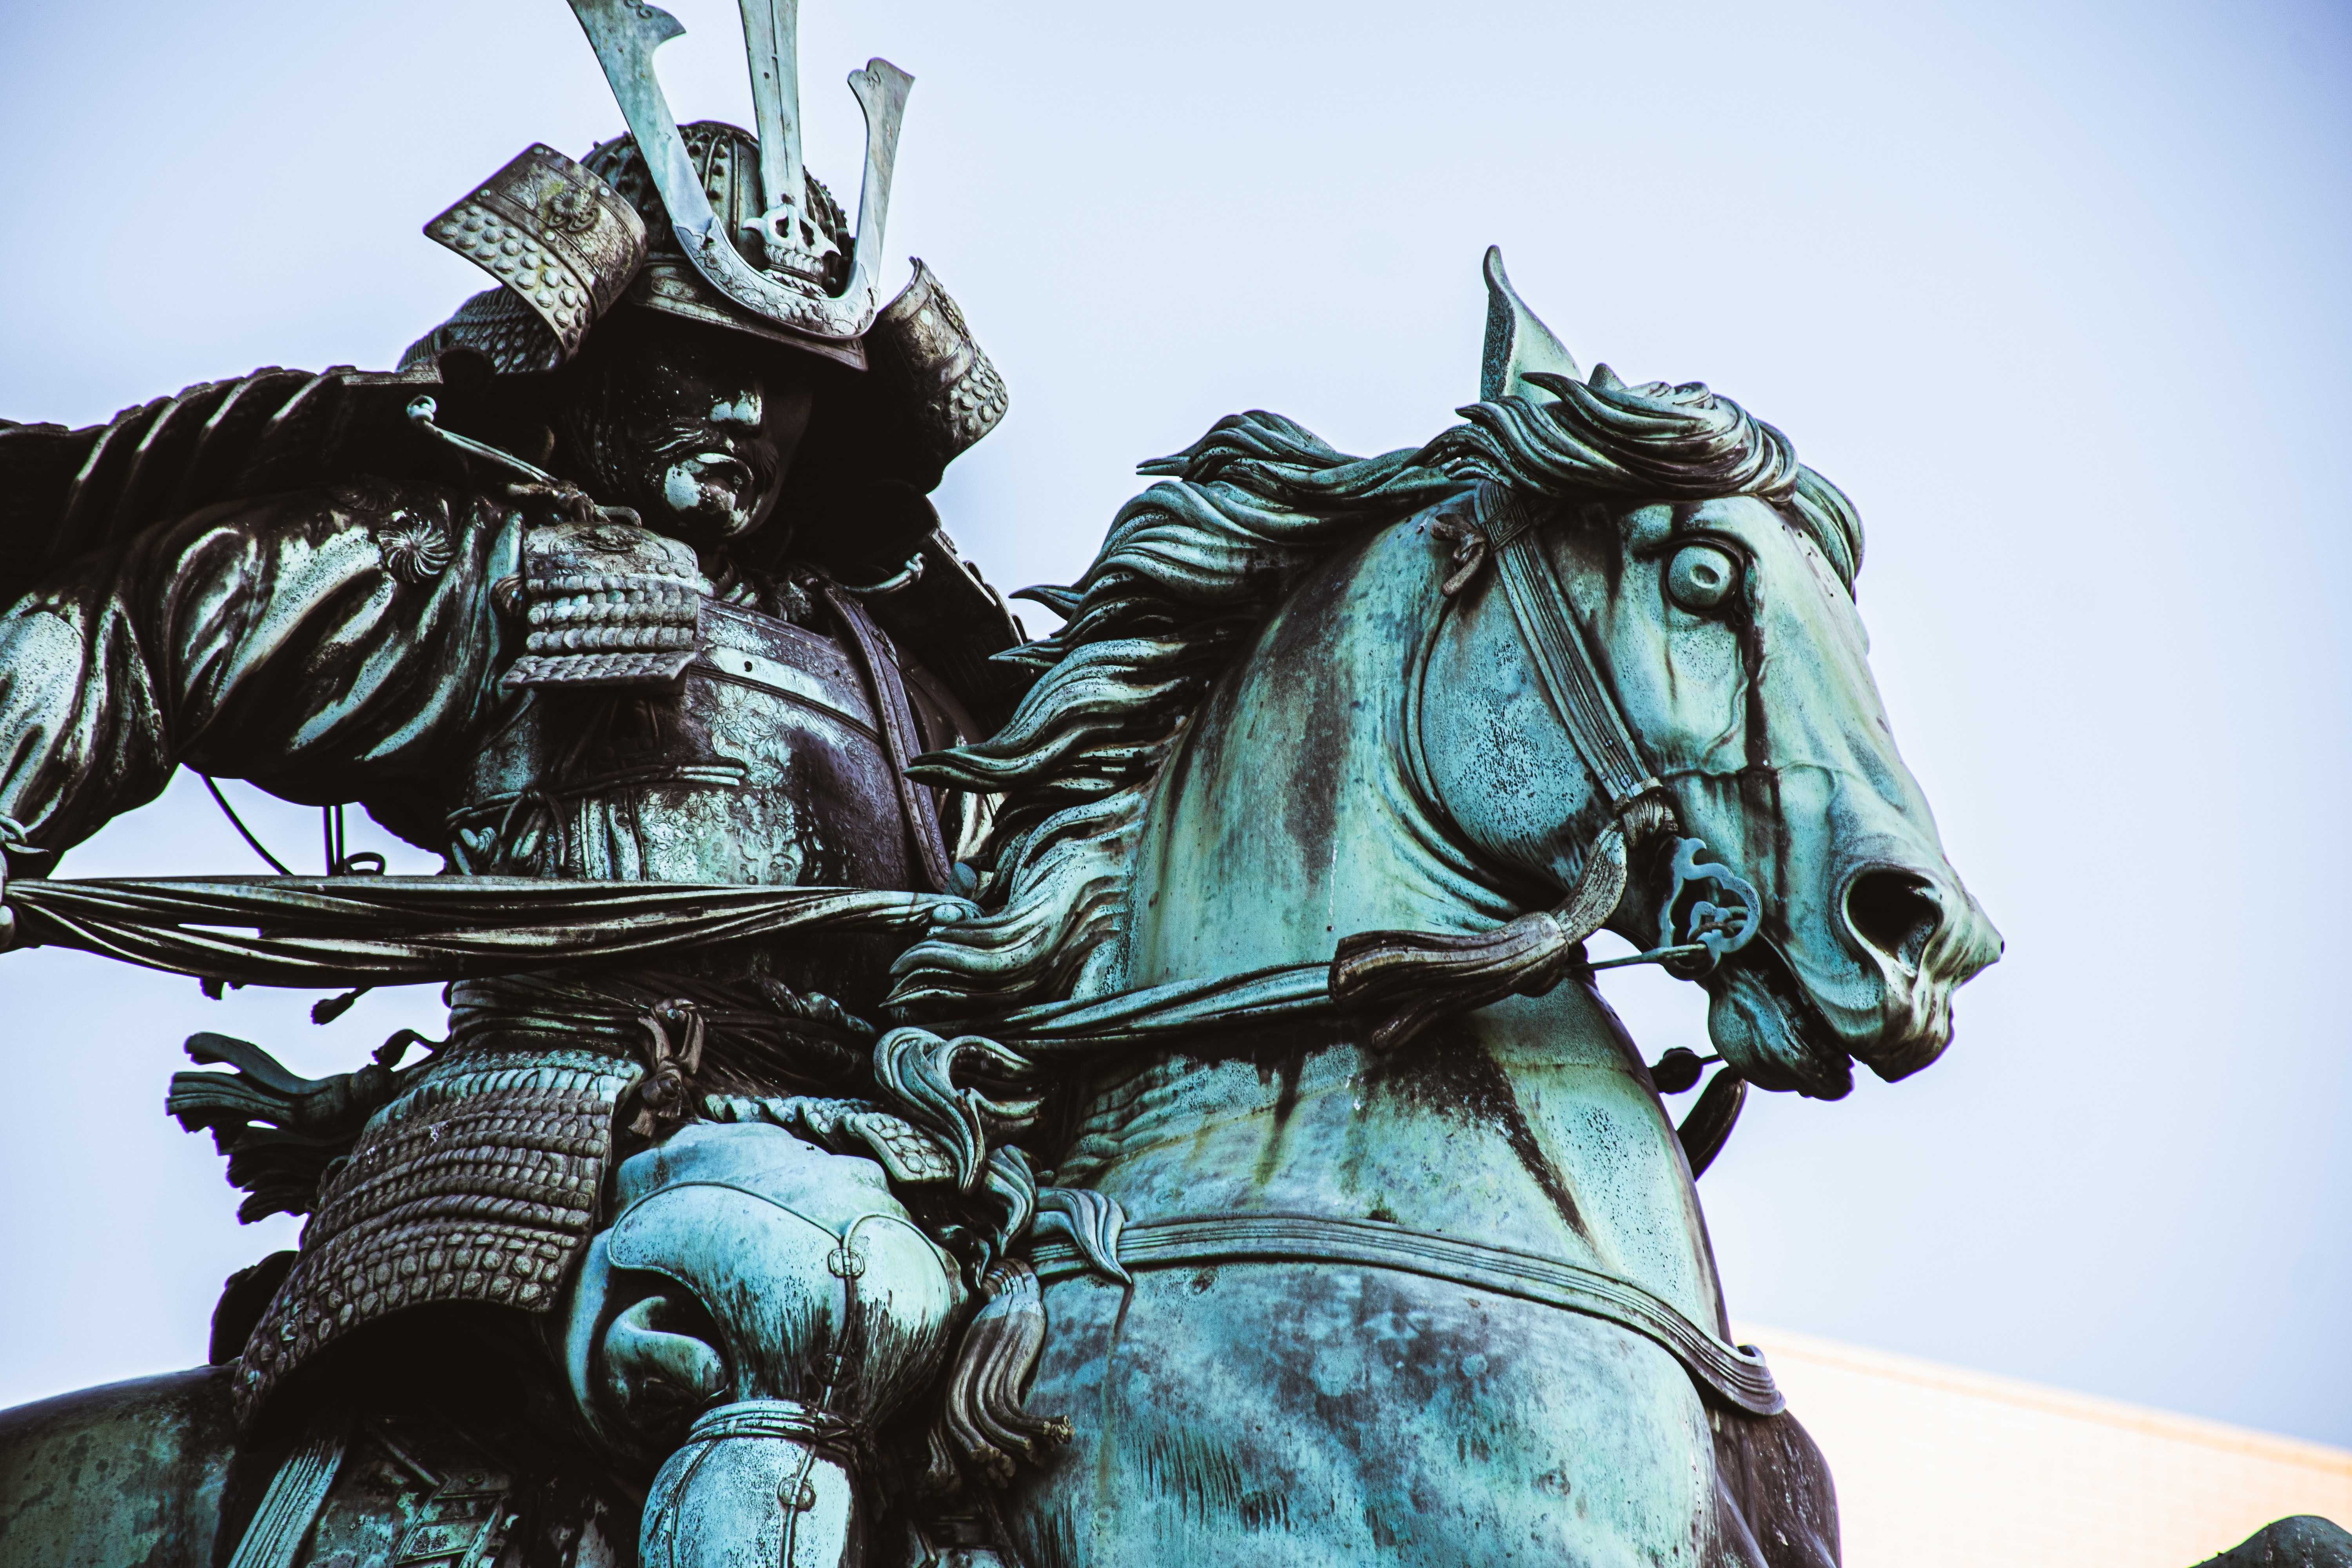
(1510, 1129)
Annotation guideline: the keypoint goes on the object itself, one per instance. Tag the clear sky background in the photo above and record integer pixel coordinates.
(2055, 290)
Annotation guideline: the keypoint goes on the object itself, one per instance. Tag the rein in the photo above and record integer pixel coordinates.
(319, 932)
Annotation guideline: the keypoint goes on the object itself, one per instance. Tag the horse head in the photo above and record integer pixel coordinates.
(1706, 577)
(1644, 638)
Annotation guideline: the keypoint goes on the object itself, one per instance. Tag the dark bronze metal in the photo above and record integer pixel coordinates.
(711, 1233)
(624, 580)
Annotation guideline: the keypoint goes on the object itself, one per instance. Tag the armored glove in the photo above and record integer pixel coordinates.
(769, 1303)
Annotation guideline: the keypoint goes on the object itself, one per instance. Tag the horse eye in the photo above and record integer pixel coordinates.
(1701, 576)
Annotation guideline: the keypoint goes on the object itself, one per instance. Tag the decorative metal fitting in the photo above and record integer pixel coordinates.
(1715, 931)
(673, 1051)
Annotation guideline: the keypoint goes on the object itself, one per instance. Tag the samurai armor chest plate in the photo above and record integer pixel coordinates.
(761, 763)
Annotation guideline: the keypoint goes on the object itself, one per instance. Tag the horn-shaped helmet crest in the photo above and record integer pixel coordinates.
(776, 267)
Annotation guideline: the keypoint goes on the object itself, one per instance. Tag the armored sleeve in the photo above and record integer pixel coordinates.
(322, 643)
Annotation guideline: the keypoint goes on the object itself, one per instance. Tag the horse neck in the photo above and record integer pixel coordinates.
(1290, 817)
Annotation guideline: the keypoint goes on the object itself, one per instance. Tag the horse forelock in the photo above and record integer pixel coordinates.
(1191, 568)
(1604, 439)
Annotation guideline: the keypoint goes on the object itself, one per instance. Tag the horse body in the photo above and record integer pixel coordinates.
(1286, 1413)
(1404, 747)
(1267, 1411)
(126, 1473)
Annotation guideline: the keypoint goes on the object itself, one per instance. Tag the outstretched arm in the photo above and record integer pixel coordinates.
(321, 643)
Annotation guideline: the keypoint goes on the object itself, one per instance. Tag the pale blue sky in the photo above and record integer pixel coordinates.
(2054, 290)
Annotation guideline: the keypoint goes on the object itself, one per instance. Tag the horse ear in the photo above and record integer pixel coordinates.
(1517, 341)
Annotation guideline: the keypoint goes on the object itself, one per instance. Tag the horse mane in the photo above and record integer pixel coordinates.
(1188, 571)
(1191, 570)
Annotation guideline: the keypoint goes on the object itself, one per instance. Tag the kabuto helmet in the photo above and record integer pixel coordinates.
(710, 224)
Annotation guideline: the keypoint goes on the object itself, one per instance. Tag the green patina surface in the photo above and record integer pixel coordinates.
(128, 1475)
(765, 1206)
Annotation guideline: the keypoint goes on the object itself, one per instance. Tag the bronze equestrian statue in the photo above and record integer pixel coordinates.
(914, 1095)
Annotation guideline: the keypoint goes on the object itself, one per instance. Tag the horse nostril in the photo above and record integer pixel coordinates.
(1896, 913)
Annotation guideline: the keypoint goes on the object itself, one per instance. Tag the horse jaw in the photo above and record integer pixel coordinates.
(1769, 1035)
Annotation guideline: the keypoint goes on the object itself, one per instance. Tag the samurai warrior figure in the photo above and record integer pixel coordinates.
(625, 574)
(795, 903)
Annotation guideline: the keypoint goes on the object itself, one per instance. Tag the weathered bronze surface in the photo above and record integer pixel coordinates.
(914, 1095)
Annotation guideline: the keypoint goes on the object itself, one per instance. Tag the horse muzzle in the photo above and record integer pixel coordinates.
(1920, 937)
(1796, 1011)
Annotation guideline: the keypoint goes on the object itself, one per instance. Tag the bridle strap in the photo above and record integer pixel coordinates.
(1562, 657)
(1408, 979)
